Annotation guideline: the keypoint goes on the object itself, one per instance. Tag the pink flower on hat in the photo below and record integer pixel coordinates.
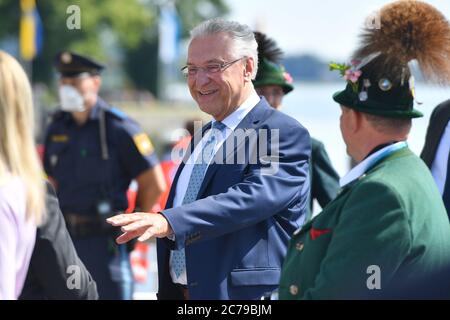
(352, 76)
(288, 77)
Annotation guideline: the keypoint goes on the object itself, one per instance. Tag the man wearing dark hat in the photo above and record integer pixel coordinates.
(436, 150)
(273, 82)
(388, 224)
(92, 153)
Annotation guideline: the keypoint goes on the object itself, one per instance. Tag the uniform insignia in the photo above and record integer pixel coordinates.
(118, 113)
(60, 138)
(143, 143)
(53, 160)
(66, 58)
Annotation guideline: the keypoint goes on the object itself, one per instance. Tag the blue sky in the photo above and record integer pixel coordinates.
(328, 28)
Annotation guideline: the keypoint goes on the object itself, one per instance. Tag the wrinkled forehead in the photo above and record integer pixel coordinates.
(211, 48)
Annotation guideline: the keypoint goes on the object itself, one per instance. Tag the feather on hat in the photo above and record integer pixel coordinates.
(409, 30)
(382, 85)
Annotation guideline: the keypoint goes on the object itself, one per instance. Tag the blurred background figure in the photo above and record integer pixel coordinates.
(56, 271)
(273, 82)
(92, 153)
(436, 150)
(21, 184)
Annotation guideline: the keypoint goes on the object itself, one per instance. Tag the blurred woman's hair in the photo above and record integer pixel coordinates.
(18, 155)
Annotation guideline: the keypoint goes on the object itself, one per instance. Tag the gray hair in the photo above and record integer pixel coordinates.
(241, 34)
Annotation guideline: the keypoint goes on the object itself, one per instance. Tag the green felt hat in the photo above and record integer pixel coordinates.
(270, 73)
(385, 95)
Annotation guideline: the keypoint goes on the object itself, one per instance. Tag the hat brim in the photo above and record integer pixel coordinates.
(287, 87)
(351, 101)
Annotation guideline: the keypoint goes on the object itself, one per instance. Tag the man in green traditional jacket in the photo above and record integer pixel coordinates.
(388, 226)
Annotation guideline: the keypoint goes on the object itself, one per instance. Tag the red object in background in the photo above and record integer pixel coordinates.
(169, 168)
(131, 196)
(40, 150)
(139, 261)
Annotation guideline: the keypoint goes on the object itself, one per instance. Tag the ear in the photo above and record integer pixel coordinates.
(97, 81)
(360, 119)
(356, 120)
(249, 68)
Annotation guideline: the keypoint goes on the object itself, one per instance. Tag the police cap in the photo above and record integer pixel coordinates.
(70, 64)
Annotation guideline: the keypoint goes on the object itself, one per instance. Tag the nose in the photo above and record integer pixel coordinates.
(202, 78)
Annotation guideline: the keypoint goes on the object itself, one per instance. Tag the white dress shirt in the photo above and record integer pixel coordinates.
(231, 122)
(439, 166)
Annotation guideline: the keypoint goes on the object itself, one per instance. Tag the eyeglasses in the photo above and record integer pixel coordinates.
(190, 71)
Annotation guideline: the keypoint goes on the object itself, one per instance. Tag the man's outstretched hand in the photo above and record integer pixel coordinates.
(140, 224)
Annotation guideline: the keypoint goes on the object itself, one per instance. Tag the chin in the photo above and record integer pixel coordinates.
(206, 108)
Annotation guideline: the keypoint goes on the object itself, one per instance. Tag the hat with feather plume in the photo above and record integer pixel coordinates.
(379, 78)
(270, 71)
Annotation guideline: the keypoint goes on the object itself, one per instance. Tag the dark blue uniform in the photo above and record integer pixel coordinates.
(87, 180)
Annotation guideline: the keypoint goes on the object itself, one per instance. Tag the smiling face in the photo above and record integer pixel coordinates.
(220, 93)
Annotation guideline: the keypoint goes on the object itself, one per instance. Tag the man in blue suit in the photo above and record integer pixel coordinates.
(240, 192)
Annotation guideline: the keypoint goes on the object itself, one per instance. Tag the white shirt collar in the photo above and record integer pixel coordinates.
(367, 163)
(233, 120)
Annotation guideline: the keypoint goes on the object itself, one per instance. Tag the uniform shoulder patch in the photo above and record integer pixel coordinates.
(143, 143)
(117, 112)
(59, 138)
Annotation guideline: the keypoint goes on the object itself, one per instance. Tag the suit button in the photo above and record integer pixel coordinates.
(299, 246)
(293, 289)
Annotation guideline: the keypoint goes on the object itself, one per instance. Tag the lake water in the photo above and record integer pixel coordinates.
(312, 105)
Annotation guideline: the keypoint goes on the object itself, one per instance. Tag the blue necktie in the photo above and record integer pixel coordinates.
(446, 194)
(178, 260)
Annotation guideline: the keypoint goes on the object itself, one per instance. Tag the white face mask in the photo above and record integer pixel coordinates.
(71, 100)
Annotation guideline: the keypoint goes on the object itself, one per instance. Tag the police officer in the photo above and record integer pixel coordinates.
(92, 152)
(273, 82)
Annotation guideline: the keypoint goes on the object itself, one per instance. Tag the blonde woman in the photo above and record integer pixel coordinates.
(21, 182)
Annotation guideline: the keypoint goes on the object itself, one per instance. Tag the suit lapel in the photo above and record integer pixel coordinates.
(251, 120)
